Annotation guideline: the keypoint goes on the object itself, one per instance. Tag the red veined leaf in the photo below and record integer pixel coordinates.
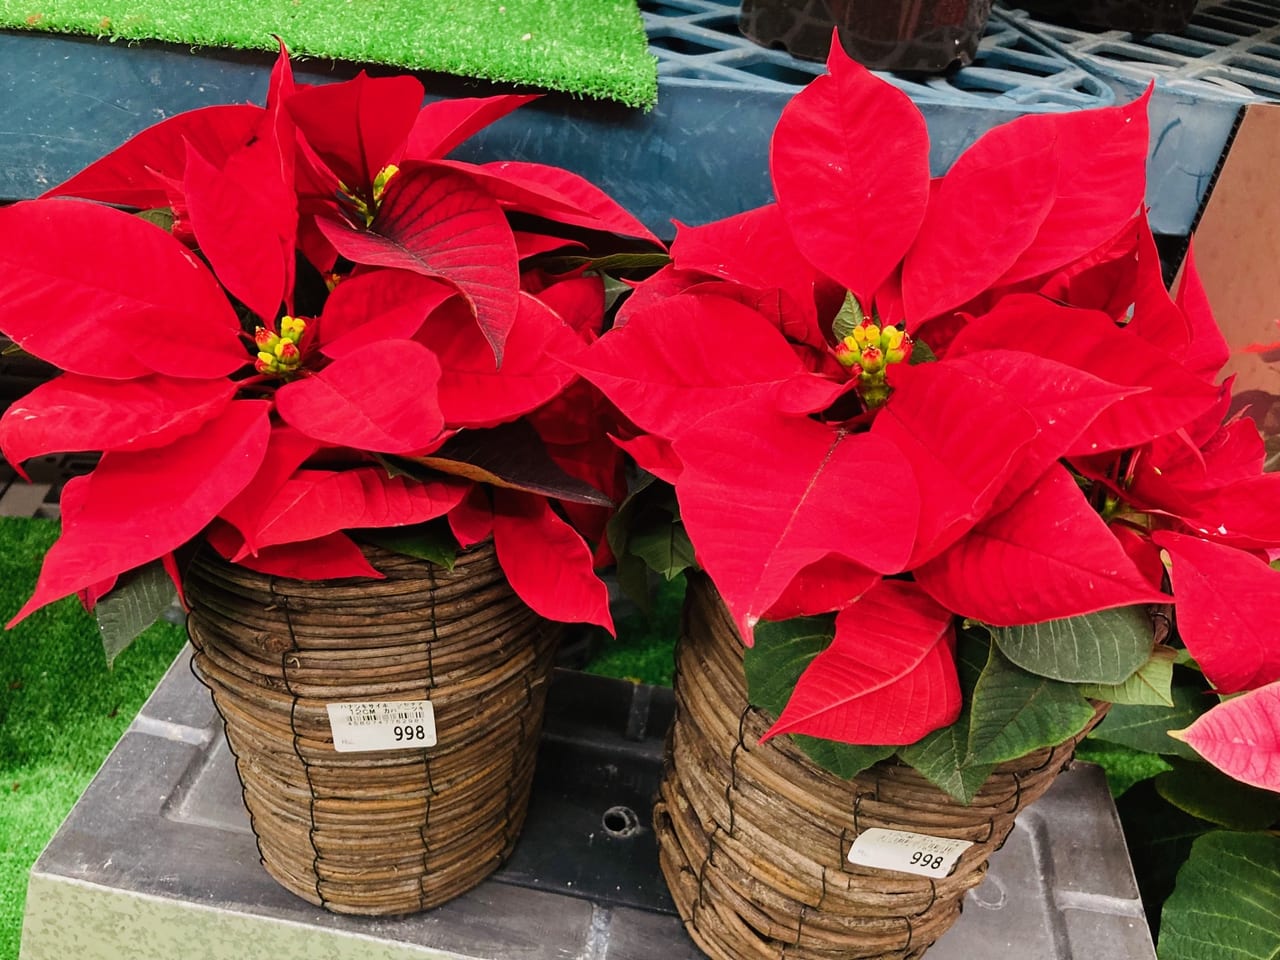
(325, 558)
(443, 124)
(1208, 350)
(1047, 557)
(377, 304)
(101, 293)
(380, 398)
(888, 677)
(439, 223)
(139, 506)
(578, 301)
(287, 450)
(476, 393)
(831, 583)
(664, 284)
(127, 175)
(547, 564)
(472, 519)
(1156, 318)
(673, 363)
(245, 219)
(359, 126)
(761, 495)
(1241, 737)
(75, 413)
(1226, 610)
(1063, 401)
(939, 417)
(1102, 175)
(1174, 475)
(535, 244)
(315, 503)
(853, 197)
(962, 249)
(1245, 513)
(1144, 554)
(562, 196)
(1090, 341)
(653, 454)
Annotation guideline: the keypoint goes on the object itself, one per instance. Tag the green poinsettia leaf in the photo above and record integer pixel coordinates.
(665, 548)
(162, 217)
(848, 317)
(1014, 712)
(1103, 647)
(614, 290)
(138, 600)
(1226, 902)
(433, 541)
(781, 653)
(1151, 683)
(1206, 792)
(647, 262)
(1146, 728)
(510, 455)
(845, 760)
(921, 352)
(943, 756)
(1123, 766)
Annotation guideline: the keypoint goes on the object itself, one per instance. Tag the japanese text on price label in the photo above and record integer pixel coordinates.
(395, 725)
(907, 852)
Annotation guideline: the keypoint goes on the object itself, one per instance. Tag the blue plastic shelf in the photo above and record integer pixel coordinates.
(1227, 57)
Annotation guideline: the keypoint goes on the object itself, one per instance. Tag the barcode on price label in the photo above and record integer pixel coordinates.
(395, 725)
(907, 852)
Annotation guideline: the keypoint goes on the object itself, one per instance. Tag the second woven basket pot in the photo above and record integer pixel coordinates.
(386, 831)
(753, 838)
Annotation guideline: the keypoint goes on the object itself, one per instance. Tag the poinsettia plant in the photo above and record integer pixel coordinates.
(292, 327)
(951, 453)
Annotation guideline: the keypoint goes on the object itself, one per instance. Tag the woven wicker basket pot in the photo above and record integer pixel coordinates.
(753, 839)
(387, 831)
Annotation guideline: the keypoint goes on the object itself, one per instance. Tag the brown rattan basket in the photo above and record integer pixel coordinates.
(386, 831)
(753, 838)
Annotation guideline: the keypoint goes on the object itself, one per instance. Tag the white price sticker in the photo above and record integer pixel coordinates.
(395, 725)
(907, 852)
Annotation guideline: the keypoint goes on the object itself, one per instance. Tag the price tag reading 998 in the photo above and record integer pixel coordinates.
(907, 852)
(395, 725)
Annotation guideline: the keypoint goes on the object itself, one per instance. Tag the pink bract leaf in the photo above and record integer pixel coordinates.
(315, 503)
(99, 292)
(673, 363)
(359, 126)
(378, 304)
(73, 413)
(245, 220)
(474, 392)
(853, 197)
(287, 450)
(939, 417)
(325, 558)
(127, 175)
(1089, 340)
(1047, 557)
(139, 506)
(962, 249)
(1208, 350)
(1102, 174)
(472, 519)
(439, 223)
(546, 562)
(562, 196)
(1241, 737)
(442, 125)
(888, 677)
(1226, 611)
(381, 398)
(760, 494)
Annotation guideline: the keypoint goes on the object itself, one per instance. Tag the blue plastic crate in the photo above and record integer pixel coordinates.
(1228, 56)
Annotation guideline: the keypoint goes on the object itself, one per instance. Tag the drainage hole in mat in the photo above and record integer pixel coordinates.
(620, 822)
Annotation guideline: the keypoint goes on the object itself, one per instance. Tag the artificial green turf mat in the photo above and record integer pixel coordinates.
(61, 710)
(596, 48)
